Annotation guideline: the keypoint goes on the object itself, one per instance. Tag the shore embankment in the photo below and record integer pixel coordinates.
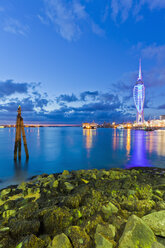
(85, 209)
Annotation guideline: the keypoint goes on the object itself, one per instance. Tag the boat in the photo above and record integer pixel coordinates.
(87, 125)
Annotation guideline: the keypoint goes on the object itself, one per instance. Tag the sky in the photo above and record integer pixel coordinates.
(74, 61)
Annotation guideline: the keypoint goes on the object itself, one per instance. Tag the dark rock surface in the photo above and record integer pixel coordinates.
(85, 208)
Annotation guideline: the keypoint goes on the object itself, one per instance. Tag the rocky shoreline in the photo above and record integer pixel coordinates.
(85, 209)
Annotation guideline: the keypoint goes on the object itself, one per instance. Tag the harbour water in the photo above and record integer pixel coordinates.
(53, 150)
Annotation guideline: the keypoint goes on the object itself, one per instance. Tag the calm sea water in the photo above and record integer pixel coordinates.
(53, 150)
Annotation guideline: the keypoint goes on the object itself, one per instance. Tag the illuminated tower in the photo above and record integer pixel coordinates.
(139, 95)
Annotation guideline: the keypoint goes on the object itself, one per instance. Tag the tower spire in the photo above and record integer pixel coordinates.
(140, 70)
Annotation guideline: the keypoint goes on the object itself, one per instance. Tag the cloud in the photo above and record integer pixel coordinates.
(66, 98)
(13, 94)
(12, 106)
(68, 18)
(154, 51)
(64, 15)
(14, 26)
(96, 29)
(121, 8)
(9, 87)
(89, 95)
(154, 4)
(88, 112)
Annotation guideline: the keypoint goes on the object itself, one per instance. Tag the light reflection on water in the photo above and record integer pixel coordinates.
(55, 149)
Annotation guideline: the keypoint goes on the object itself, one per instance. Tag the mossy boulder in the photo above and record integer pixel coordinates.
(28, 211)
(109, 209)
(31, 242)
(46, 238)
(144, 192)
(8, 214)
(104, 236)
(73, 201)
(4, 232)
(157, 245)
(136, 234)
(78, 237)
(20, 228)
(56, 220)
(61, 241)
(156, 221)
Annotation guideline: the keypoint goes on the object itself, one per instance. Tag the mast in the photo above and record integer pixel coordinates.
(140, 70)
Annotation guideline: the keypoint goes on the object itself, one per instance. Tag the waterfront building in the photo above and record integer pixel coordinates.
(92, 125)
(139, 96)
(162, 117)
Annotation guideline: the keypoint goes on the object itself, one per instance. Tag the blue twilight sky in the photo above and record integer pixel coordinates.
(69, 61)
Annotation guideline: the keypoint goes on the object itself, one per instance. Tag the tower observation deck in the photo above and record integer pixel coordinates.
(139, 96)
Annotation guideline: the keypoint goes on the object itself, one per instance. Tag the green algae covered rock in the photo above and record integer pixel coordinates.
(144, 192)
(104, 236)
(4, 231)
(106, 230)
(46, 238)
(79, 238)
(20, 228)
(157, 245)
(136, 234)
(5, 192)
(8, 213)
(156, 221)
(56, 220)
(69, 186)
(60, 241)
(31, 242)
(161, 240)
(103, 242)
(109, 209)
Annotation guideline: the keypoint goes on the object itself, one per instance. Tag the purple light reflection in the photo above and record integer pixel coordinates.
(138, 158)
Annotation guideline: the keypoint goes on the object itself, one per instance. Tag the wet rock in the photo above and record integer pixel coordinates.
(55, 184)
(5, 192)
(46, 238)
(109, 209)
(69, 186)
(7, 242)
(91, 223)
(156, 221)
(144, 192)
(20, 228)
(8, 213)
(136, 234)
(104, 236)
(157, 245)
(4, 232)
(161, 240)
(31, 242)
(56, 220)
(107, 230)
(28, 211)
(78, 236)
(160, 205)
(65, 173)
(73, 201)
(102, 241)
(61, 241)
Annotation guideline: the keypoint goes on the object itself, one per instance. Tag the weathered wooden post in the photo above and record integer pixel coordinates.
(19, 129)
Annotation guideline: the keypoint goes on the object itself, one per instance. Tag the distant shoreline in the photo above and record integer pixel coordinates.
(42, 125)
